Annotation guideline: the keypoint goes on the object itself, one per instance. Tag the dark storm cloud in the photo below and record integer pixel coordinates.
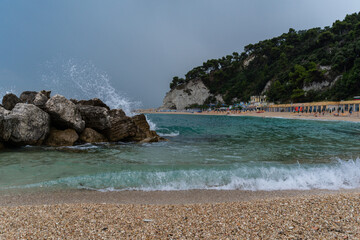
(141, 45)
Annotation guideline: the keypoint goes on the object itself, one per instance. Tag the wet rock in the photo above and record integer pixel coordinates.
(46, 93)
(92, 102)
(91, 136)
(143, 132)
(122, 127)
(74, 101)
(10, 100)
(29, 124)
(95, 117)
(34, 113)
(40, 100)
(149, 140)
(64, 113)
(28, 97)
(59, 138)
(117, 113)
(3, 111)
(153, 139)
(5, 128)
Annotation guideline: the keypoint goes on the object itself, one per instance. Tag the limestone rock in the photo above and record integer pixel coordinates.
(40, 100)
(122, 127)
(194, 92)
(91, 136)
(59, 138)
(117, 113)
(95, 117)
(149, 140)
(4, 112)
(28, 123)
(28, 97)
(143, 128)
(142, 124)
(92, 102)
(64, 113)
(46, 93)
(5, 128)
(10, 100)
(316, 86)
(153, 139)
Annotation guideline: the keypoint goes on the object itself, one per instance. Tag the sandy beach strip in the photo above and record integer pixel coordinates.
(355, 117)
(262, 215)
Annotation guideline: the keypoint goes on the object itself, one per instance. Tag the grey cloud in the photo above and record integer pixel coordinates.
(141, 45)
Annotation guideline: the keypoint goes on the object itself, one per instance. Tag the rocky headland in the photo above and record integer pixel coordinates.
(36, 118)
(193, 92)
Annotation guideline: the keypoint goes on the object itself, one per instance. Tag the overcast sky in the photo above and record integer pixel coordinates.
(139, 45)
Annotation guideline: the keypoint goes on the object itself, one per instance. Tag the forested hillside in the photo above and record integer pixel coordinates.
(298, 66)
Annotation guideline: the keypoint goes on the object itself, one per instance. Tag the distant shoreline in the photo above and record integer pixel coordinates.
(355, 117)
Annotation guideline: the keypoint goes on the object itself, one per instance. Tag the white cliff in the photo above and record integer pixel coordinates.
(194, 92)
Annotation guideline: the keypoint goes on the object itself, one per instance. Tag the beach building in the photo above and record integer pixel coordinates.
(336, 108)
(258, 100)
(257, 103)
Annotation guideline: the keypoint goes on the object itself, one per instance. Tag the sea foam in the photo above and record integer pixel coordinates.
(340, 175)
(83, 80)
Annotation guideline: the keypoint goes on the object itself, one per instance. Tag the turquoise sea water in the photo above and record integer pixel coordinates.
(204, 152)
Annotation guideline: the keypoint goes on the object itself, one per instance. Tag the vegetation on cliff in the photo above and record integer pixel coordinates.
(298, 66)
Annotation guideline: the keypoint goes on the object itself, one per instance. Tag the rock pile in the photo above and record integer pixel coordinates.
(35, 118)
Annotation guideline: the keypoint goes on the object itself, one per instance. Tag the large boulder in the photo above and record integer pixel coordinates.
(95, 117)
(5, 128)
(10, 100)
(28, 97)
(64, 113)
(117, 113)
(3, 111)
(59, 138)
(143, 133)
(40, 100)
(46, 93)
(28, 124)
(122, 127)
(91, 136)
(92, 102)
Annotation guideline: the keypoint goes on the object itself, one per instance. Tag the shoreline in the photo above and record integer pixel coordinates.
(281, 115)
(314, 214)
(181, 197)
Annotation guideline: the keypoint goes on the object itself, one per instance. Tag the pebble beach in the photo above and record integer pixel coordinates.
(300, 215)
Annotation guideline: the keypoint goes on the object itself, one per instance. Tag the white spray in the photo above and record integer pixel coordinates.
(82, 80)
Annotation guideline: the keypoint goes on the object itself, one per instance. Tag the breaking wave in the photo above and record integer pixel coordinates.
(170, 134)
(339, 175)
(83, 80)
(151, 124)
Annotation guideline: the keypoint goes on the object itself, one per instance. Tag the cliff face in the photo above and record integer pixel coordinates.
(298, 66)
(194, 92)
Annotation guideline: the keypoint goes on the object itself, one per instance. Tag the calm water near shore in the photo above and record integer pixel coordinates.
(204, 152)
